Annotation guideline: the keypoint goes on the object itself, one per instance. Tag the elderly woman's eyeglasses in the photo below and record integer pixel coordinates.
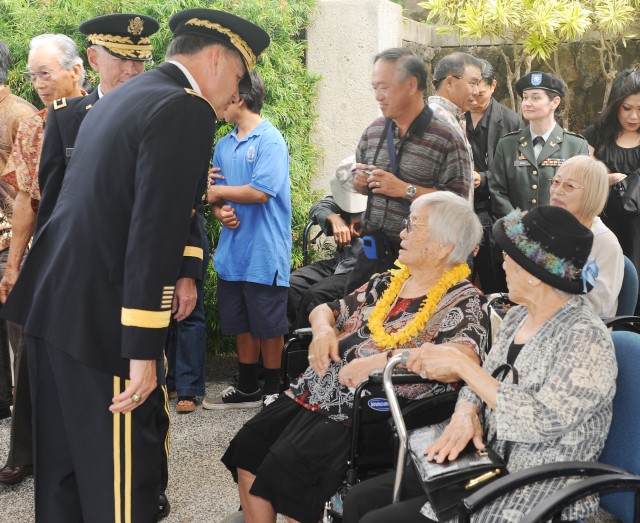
(409, 225)
(567, 186)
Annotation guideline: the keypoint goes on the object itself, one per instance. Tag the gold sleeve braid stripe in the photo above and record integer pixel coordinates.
(236, 40)
(145, 319)
(195, 252)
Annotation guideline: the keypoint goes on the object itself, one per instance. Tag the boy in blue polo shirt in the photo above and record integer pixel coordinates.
(250, 195)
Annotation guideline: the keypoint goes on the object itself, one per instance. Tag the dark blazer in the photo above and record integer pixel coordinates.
(520, 181)
(502, 120)
(100, 278)
(61, 129)
(63, 121)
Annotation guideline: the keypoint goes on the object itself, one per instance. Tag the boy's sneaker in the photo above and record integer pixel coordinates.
(268, 399)
(232, 398)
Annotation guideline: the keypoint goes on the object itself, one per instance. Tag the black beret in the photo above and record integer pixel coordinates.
(539, 80)
(248, 38)
(124, 36)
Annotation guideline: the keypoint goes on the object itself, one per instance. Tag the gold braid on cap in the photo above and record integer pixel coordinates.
(123, 45)
(239, 43)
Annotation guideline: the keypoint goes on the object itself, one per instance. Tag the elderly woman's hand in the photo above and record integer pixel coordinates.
(324, 345)
(463, 427)
(439, 362)
(356, 371)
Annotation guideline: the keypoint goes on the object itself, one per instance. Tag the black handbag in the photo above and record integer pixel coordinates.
(624, 196)
(449, 483)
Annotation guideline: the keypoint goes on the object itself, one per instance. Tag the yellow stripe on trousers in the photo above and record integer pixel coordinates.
(116, 457)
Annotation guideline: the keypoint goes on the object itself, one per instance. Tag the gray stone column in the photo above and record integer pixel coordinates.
(343, 40)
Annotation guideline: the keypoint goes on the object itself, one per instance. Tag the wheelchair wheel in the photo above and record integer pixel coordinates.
(236, 517)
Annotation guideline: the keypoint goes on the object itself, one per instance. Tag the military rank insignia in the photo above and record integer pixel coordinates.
(553, 162)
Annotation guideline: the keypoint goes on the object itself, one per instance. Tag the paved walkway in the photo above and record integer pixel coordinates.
(200, 487)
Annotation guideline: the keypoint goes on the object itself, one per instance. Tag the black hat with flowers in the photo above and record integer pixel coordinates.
(550, 244)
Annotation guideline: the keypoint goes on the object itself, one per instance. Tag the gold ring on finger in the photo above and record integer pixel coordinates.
(135, 398)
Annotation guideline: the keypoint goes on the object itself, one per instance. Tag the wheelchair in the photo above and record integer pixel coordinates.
(374, 442)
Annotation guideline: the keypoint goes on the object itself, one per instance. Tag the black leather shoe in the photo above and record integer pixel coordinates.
(5, 413)
(14, 475)
(164, 507)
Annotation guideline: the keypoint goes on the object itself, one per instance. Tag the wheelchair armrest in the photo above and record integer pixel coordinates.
(303, 333)
(554, 504)
(632, 322)
(518, 479)
(399, 377)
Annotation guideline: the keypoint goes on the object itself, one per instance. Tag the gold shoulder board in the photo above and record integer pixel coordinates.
(194, 93)
(59, 104)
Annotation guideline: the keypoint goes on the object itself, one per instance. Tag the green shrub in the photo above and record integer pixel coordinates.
(290, 97)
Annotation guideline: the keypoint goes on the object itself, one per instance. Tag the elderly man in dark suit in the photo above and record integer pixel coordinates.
(486, 122)
(96, 291)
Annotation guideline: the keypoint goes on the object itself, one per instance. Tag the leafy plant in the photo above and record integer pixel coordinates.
(533, 29)
(290, 96)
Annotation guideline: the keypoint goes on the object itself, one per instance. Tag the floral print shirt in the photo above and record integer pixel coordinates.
(459, 318)
(21, 170)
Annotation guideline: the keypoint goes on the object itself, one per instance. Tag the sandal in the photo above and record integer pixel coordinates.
(173, 394)
(186, 404)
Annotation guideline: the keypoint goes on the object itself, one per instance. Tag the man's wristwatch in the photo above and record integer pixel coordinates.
(410, 191)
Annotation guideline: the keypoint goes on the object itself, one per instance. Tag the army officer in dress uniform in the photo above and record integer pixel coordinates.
(525, 161)
(119, 45)
(95, 293)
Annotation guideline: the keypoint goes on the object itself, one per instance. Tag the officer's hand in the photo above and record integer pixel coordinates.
(476, 179)
(7, 283)
(142, 381)
(185, 298)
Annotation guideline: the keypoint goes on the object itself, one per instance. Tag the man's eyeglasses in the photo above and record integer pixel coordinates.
(45, 76)
(409, 225)
(567, 186)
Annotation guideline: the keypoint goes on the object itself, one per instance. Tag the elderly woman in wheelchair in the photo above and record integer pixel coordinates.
(292, 456)
(554, 405)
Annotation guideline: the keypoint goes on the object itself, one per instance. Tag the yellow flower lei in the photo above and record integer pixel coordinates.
(428, 307)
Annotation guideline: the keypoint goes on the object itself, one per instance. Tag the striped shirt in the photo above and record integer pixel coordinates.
(434, 157)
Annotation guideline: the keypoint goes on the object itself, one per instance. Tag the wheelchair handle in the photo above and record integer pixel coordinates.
(398, 420)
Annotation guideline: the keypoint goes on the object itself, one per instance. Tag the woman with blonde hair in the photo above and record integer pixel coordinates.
(581, 187)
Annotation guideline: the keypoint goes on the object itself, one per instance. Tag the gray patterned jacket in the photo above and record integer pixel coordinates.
(559, 411)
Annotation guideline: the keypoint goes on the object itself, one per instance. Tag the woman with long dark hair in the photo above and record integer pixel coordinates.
(615, 141)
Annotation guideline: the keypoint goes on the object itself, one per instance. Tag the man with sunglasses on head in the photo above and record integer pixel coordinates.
(456, 79)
